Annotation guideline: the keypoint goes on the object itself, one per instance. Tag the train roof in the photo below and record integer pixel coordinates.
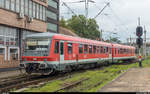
(46, 34)
(76, 39)
(123, 46)
(67, 38)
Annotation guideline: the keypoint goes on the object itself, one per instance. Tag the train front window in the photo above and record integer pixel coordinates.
(37, 47)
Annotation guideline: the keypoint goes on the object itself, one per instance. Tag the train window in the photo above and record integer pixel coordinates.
(104, 50)
(62, 48)
(124, 51)
(85, 48)
(94, 49)
(115, 51)
(97, 49)
(70, 48)
(90, 49)
(121, 51)
(56, 47)
(109, 50)
(101, 49)
(81, 48)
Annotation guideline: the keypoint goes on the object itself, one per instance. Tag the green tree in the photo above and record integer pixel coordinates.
(115, 40)
(87, 28)
(63, 23)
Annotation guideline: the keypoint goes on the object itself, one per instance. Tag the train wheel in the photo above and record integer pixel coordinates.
(53, 72)
(68, 69)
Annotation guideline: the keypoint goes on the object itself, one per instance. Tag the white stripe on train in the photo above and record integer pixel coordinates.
(84, 61)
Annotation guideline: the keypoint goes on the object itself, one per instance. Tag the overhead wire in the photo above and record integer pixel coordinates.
(118, 18)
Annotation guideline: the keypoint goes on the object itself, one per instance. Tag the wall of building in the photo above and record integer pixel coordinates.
(19, 18)
(33, 14)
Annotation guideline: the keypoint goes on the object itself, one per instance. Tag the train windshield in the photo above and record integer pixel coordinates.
(37, 47)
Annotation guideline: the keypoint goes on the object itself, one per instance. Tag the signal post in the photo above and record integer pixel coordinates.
(139, 41)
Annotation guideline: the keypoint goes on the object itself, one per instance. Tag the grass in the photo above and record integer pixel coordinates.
(97, 79)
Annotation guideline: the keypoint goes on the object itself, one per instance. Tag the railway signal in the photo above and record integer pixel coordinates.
(139, 41)
(140, 61)
(139, 31)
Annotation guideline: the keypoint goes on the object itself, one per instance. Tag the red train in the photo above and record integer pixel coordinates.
(47, 53)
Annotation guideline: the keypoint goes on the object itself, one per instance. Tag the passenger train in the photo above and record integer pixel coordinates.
(48, 53)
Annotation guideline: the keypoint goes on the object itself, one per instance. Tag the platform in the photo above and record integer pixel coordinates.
(134, 80)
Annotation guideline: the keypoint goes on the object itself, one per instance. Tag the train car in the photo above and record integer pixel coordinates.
(123, 52)
(47, 53)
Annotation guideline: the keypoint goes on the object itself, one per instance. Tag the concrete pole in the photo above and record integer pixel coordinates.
(101, 35)
(130, 40)
(144, 43)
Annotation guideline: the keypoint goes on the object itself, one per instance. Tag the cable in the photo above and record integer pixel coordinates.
(102, 9)
(118, 18)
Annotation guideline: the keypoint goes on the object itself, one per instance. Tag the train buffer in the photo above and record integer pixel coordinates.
(134, 80)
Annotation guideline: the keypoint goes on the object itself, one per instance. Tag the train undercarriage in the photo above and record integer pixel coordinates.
(48, 69)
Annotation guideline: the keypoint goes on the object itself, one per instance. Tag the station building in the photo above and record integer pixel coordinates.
(19, 18)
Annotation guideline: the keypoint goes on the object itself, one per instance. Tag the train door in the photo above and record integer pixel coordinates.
(61, 52)
(110, 52)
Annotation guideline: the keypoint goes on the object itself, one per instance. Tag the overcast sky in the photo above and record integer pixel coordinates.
(120, 17)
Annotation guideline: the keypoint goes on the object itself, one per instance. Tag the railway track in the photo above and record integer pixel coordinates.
(6, 86)
(71, 85)
(26, 80)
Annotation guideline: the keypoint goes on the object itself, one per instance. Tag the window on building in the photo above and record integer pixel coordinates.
(26, 7)
(85, 48)
(37, 11)
(94, 49)
(17, 5)
(70, 48)
(51, 15)
(41, 12)
(7, 4)
(56, 47)
(30, 8)
(8, 36)
(81, 48)
(22, 6)
(90, 49)
(52, 27)
(97, 49)
(34, 10)
(13, 5)
(52, 3)
(101, 49)
(1, 50)
(44, 13)
(1, 35)
(2, 3)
